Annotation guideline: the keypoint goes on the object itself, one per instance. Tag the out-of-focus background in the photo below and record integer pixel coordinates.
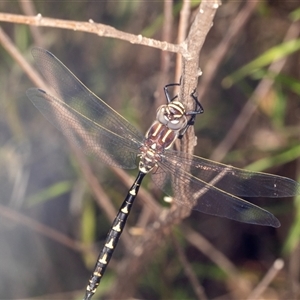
(41, 181)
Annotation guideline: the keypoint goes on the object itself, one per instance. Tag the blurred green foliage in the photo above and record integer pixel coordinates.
(273, 54)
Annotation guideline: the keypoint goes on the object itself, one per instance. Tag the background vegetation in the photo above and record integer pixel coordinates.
(251, 118)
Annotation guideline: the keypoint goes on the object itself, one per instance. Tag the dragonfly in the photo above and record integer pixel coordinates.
(97, 129)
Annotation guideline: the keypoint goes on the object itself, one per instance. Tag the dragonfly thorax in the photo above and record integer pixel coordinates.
(172, 115)
(158, 138)
(170, 120)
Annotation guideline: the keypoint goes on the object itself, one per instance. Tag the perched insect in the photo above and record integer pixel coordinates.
(96, 128)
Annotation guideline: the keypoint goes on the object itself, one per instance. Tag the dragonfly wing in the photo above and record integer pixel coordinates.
(237, 181)
(83, 133)
(205, 196)
(83, 117)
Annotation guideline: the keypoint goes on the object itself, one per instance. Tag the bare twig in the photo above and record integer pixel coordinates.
(165, 56)
(167, 36)
(100, 195)
(190, 50)
(193, 45)
(265, 282)
(19, 218)
(211, 252)
(145, 246)
(188, 270)
(90, 27)
(182, 32)
(18, 57)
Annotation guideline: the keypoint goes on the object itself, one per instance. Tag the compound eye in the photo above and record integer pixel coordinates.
(161, 115)
(171, 117)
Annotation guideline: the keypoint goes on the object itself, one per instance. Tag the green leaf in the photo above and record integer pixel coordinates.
(293, 237)
(51, 192)
(88, 230)
(295, 15)
(263, 60)
(289, 82)
(275, 160)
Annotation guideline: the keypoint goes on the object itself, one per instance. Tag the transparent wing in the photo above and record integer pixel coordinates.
(214, 188)
(237, 181)
(82, 116)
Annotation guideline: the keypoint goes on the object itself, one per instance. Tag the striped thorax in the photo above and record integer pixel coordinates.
(170, 121)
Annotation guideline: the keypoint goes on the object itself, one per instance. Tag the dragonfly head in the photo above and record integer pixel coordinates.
(172, 115)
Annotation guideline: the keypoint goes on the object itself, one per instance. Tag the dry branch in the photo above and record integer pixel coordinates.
(190, 51)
